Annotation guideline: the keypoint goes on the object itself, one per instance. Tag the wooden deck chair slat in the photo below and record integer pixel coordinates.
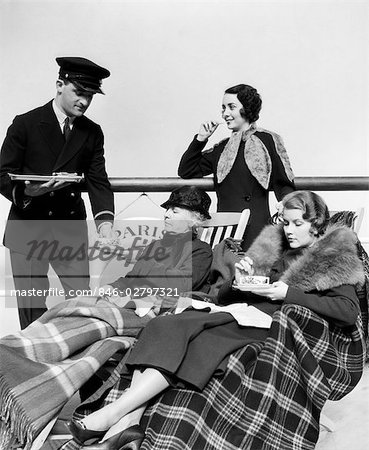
(223, 225)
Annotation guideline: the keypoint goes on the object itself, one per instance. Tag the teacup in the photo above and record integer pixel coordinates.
(253, 279)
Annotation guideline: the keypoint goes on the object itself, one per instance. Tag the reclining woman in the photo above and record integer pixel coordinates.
(177, 263)
(308, 265)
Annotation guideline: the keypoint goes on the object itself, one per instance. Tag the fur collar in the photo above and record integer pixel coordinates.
(332, 261)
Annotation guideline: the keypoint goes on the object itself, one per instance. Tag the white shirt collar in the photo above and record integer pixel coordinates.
(60, 115)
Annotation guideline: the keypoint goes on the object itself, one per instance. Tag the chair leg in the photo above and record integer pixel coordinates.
(41, 438)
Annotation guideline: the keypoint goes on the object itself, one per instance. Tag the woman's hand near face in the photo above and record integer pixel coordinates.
(206, 130)
(276, 291)
(244, 267)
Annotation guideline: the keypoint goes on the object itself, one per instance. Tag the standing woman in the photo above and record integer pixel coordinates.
(246, 165)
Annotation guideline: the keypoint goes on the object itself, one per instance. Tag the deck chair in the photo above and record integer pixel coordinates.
(220, 226)
(353, 218)
(126, 229)
(358, 219)
(223, 225)
(38, 443)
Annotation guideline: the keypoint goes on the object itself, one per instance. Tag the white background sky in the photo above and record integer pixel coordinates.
(170, 62)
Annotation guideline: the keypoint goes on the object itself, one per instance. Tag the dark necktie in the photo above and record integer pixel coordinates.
(66, 129)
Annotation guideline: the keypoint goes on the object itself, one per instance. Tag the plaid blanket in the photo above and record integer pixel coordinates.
(42, 366)
(270, 397)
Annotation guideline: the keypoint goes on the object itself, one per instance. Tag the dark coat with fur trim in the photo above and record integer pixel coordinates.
(321, 278)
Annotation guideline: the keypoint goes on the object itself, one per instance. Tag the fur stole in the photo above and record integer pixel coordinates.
(332, 261)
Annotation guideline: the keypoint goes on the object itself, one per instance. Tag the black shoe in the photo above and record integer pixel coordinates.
(81, 434)
(129, 439)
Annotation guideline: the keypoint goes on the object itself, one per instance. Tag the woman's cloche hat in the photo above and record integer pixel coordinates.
(189, 197)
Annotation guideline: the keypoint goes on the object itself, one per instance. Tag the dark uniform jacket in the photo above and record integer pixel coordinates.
(240, 189)
(34, 144)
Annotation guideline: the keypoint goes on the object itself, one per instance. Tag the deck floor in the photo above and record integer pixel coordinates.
(350, 417)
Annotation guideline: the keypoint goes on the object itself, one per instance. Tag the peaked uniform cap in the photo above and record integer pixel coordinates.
(82, 72)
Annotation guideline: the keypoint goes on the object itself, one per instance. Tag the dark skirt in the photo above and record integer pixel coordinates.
(191, 347)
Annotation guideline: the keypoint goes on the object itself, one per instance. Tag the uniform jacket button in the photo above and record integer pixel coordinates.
(52, 193)
(50, 213)
(72, 194)
(72, 212)
(248, 198)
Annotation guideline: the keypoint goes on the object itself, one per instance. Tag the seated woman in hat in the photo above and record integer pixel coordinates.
(177, 263)
(308, 265)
